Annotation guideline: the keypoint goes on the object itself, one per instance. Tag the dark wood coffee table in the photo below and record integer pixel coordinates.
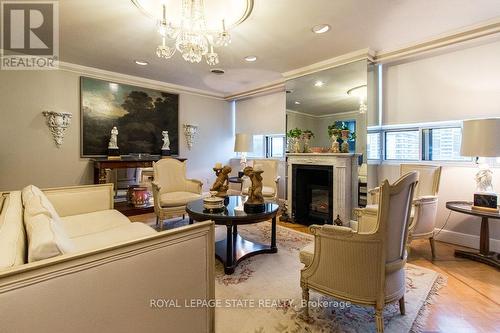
(234, 248)
(484, 255)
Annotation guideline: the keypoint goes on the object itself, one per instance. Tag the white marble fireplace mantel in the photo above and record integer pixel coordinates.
(345, 179)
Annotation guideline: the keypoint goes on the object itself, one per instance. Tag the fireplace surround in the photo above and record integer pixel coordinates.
(306, 202)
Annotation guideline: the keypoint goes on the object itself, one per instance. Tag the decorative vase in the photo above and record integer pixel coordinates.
(335, 148)
(345, 145)
(294, 145)
(306, 138)
(140, 197)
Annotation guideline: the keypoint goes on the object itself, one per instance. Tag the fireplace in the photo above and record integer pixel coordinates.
(312, 194)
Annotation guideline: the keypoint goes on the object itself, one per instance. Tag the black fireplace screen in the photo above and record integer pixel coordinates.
(312, 194)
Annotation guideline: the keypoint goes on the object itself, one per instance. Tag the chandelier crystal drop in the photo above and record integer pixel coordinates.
(191, 38)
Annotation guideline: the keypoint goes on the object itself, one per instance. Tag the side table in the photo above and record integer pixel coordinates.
(484, 255)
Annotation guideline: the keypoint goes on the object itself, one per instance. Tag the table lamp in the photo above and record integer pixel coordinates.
(481, 138)
(243, 143)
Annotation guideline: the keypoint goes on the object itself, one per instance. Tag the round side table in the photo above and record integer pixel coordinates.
(484, 255)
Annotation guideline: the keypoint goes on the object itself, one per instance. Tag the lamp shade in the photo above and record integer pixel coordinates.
(243, 143)
(481, 137)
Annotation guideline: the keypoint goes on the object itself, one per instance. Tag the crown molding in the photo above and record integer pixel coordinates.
(354, 112)
(485, 29)
(364, 54)
(136, 80)
(273, 87)
(279, 85)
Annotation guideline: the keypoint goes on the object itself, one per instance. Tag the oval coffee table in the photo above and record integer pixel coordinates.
(234, 248)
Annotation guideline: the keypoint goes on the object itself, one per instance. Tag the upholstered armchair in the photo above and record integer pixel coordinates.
(270, 179)
(172, 190)
(425, 203)
(363, 267)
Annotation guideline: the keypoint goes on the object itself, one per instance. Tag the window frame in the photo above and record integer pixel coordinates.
(384, 135)
(420, 128)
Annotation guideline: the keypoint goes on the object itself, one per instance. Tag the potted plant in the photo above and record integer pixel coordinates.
(340, 134)
(293, 140)
(307, 135)
(334, 134)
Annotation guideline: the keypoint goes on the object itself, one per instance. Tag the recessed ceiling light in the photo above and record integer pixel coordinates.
(217, 71)
(141, 62)
(297, 102)
(250, 58)
(321, 28)
(319, 84)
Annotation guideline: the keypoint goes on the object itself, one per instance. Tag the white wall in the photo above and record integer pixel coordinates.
(262, 114)
(458, 85)
(28, 154)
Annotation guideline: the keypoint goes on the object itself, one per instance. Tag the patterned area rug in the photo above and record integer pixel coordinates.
(264, 294)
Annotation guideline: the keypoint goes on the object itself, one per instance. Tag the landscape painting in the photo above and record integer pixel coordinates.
(139, 114)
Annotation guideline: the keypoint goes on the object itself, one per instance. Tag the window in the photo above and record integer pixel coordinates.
(258, 146)
(442, 144)
(275, 146)
(268, 146)
(373, 146)
(402, 145)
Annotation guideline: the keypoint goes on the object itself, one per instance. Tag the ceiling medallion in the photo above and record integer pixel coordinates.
(193, 30)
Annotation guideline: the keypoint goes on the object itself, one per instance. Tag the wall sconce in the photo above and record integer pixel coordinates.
(190, 134)
(58, 122)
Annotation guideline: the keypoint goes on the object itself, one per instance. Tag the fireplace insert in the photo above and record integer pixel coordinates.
(312, 194)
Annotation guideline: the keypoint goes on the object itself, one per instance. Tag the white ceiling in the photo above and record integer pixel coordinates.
(332, 97)
(111, 34)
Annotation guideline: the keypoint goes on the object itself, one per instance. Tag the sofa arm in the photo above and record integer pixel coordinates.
(126, 287)
(76, 200)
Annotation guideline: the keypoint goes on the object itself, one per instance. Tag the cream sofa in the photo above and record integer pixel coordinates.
(114, 275)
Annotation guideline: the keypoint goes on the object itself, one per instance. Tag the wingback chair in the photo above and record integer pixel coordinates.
(270, 179)
(367, 267)
(172, 190)
(425, 204)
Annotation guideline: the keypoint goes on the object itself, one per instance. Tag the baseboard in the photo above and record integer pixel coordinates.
(467, 240)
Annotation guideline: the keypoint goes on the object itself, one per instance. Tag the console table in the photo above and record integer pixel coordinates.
(102, 165)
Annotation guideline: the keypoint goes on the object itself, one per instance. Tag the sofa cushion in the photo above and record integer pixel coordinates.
(306, 254)
(12, 233)
(113, 236)
(33, 207)
(90, 223)
(46, 237)
(175, 199)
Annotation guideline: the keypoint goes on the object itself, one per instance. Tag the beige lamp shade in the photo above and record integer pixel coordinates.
(481, 137)
(243, 143)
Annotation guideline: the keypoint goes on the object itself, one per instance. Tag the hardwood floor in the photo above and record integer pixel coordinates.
(470, 301)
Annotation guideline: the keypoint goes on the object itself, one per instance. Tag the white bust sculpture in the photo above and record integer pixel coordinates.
(166, 141)
(113, 141)
(484, 178)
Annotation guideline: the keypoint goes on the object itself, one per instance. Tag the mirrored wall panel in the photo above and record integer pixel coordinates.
(327, 112)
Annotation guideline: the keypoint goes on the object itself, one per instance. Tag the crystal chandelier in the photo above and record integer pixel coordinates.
(191, 37)
(360, 92)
